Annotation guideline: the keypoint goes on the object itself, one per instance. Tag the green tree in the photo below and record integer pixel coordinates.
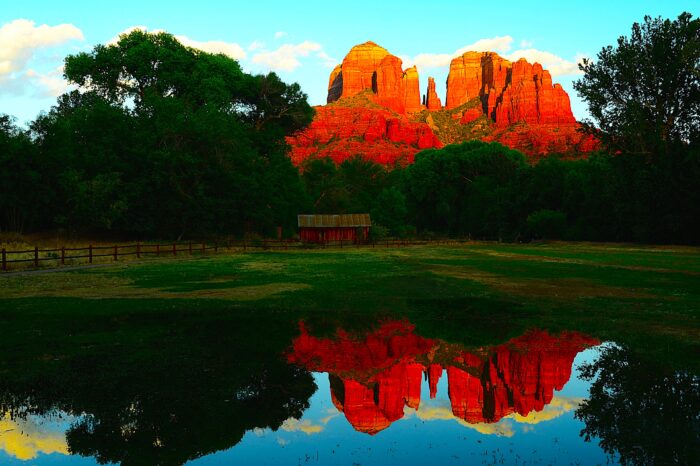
(469, 188)
(644, 94)
(390, 209)
(547, 224)
(196, 147)
(24, 193)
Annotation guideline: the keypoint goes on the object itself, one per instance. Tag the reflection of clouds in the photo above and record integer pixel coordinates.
(553, 410)
(308, 426)
(25, 439)
(441, 410)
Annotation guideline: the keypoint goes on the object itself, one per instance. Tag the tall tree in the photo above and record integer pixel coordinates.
(205, 151)
(644, 94)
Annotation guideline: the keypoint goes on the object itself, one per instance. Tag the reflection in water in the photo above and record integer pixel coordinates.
(221, 390)
(643, 412)
(375, 377)
(26, 437)
(187, 391)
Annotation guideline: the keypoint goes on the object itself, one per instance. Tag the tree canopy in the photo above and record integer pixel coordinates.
(165, 140)
(644, 94)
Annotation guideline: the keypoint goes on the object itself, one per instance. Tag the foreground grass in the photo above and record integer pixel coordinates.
(476, 294)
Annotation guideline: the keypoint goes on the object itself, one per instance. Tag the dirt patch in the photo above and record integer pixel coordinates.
(563, 288)
(263, 266)
(97, 286)
(564, 260)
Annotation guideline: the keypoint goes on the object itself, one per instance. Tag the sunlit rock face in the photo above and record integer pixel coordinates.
(343, 132)
(523, 108)
(432, 101)
(375, 376)
(357, 72)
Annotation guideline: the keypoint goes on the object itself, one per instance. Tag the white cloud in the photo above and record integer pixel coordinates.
(328, 62)
(51, 84)
(20, 42)
(256, 45)
(280, 34)
(21, 39)
(500, 44)
(556, 65)
(286, 57)
(231, 49)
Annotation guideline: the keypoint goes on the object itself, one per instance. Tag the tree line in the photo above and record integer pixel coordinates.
(161, 140)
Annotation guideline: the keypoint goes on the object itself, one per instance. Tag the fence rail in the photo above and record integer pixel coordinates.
(74, 255)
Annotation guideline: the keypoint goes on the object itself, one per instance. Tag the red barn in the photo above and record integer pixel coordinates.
(331, 228)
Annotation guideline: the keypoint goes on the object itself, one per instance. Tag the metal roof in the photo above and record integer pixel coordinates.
(331, 221)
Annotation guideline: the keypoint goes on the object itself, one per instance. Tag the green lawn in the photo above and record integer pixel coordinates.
(475, 294)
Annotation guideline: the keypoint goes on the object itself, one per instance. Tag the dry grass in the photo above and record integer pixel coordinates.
(563, 288)
(111, 286)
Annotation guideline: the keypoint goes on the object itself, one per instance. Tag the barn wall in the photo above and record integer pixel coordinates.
(329, 234)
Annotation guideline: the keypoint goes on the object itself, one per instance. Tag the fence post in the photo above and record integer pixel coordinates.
(157, 250)
(138, 250)
(63, 255)
(174, 249)
(203, 248)
(36, 256)
(190, 247)
(116, 253)
(4, 259)
(216, 246)
(90, 254)
(244, 245)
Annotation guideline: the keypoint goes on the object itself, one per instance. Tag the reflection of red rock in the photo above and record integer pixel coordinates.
(523, 108)
(373, 378)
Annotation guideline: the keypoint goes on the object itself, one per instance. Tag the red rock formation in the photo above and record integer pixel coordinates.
(530, 97)
(470, 115)
(375, 376)
(464, 81)
(357, 72)
(342, 132)
(432, 101)
(507, 94)
(412, 95)
(369, 66)
(539, 140)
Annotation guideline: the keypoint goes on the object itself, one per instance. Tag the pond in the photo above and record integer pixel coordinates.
(263, 391)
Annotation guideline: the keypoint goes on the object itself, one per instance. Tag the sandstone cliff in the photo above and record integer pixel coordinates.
(375, 109)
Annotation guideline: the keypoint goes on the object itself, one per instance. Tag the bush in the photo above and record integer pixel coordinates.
(378, 232)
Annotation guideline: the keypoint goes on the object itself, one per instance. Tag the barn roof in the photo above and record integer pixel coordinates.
(330, 221)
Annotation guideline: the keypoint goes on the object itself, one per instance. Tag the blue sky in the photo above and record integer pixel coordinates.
(302, 40)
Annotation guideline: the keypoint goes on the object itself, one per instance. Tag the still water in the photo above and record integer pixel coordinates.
(382, 396)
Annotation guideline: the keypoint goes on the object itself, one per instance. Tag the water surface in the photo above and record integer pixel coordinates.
(382, 395)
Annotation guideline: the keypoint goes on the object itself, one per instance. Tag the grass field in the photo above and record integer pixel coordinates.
(478, 294)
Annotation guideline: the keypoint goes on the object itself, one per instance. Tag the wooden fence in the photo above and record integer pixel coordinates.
(58, 257)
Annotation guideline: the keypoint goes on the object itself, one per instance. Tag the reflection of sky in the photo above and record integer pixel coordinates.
(323, 436)
(429, 436)
(36, 440)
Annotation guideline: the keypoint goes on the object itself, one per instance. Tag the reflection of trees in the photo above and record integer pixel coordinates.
(642, 412)
(195, 389)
